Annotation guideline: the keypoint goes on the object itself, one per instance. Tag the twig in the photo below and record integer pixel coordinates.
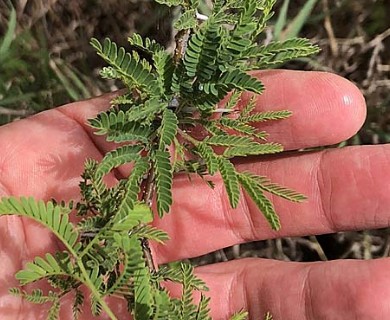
(201, 17)
(329, 29)
(11, 112)
(181, 43)
(181, 40)
(188, 137)
(148, 198)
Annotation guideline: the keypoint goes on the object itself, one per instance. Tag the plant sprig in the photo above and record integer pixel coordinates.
(168, 95)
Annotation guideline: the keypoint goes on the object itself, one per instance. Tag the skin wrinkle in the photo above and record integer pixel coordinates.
(353, 183)
(235, 285)
(307, 300)
(249, 214)
(376, 209)
(98, 148)
(320, 186)
(228, 211)
(5, 188)
(114, 172)
(246, 213)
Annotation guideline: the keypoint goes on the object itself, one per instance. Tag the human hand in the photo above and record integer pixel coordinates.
(43, 156)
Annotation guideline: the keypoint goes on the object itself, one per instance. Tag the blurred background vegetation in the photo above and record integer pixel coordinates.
(46, 61)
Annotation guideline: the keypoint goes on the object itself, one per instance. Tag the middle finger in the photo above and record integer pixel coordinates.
(347, 189)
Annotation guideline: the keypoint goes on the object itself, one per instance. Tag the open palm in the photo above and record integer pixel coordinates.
(348, 188)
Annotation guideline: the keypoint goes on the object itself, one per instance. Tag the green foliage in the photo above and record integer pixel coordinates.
(229, 177)
(261, 201)
(132, 186)
(42, 268)
(277, 53)
(242, 315)
(265, 116)
(128, 67)
(118, 157)
(168, 129)
(78, 303)
(30, 76)
(116, 128)
(268, 316)
(153, 127)
(145, 44)
(164, 174)
(287, 30)
(52, 216)
(36, 296)
(186, 21)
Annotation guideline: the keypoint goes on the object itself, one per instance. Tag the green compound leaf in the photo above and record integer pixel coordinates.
(253, 149)
(55, 218)
(228, 140)
(203, 309)
(77, 303)
(262, 202)
(130, 197)
(143, 294)
(237, 126)
(117, 128)
(130, 67)
(193, 53)
(276, 189)
(164, 172)
(96, 306)
(132, 262)
(266, 116)
(237, 79)
(151, 233)
(145, 44)
(240, 38)
(211, 159)
(168, 129)
(164, 65)
(230, 180)
(147, 111)
(118, 157)
(187, 306)
(166, 307)
(36, 295)
(174, 273)
(54, 311)
(268, 316)
(186, 21)
(207, 66)
(276, 53)
(242, 315)
(127, 220)
(171, 3)
(41, 268)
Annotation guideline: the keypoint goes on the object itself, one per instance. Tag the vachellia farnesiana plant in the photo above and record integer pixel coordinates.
(168, 95)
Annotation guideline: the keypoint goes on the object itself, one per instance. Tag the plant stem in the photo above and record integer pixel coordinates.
(148, 198)
(94, 291)
(188, 137)
(181, 39)
(181, 44)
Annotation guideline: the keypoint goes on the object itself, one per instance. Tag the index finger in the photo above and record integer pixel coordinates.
(327, 110)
